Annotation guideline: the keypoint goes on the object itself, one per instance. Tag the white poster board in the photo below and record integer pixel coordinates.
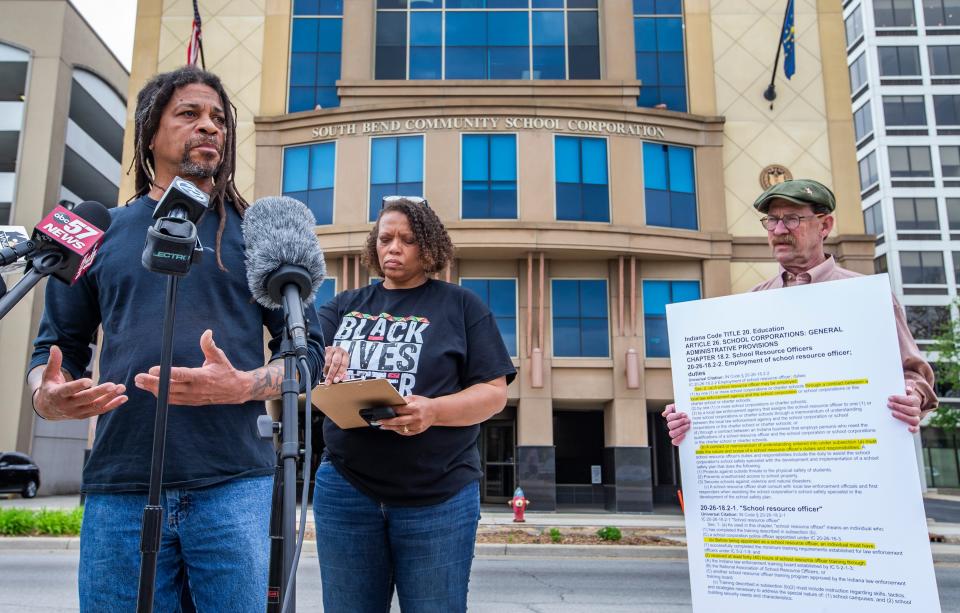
(802, 492)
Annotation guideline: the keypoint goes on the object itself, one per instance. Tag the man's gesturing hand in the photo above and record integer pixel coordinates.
(216, 382)
(57, 398)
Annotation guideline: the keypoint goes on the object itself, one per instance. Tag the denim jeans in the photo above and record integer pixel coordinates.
(365, 548)
(215, 537)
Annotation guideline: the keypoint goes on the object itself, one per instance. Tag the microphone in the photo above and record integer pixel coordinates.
(182, 200)
(64, 245)
(172, 244)
(14, 245)
(285, 264)
(66, 241)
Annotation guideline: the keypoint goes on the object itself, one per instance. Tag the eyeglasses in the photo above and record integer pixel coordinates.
(412, 199)
(790, 222)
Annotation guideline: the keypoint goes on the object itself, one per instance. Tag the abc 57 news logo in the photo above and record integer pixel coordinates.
(72, 231)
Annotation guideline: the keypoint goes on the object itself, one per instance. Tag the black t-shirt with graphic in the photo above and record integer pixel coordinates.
(432, 340)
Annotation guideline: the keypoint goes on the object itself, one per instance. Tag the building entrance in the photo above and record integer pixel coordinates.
(498, 456)
(666, 461)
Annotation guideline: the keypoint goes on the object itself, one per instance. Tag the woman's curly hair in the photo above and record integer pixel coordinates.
(151, 101)
(436, 248)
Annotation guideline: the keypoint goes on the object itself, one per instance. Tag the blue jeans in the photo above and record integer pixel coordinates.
(365, 548)
(215, 537)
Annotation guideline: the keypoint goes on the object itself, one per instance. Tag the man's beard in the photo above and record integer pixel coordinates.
(192, 168)
(197, 170)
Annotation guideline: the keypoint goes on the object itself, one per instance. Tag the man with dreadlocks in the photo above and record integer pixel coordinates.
(217, 474)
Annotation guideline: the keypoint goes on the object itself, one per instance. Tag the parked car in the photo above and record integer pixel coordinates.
(18, 473)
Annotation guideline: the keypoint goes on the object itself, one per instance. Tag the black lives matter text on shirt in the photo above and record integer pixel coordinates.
(432, 340)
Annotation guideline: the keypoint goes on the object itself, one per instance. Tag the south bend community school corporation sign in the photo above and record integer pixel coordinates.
(419, 124)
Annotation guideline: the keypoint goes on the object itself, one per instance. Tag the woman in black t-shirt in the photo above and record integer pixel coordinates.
(399, 505)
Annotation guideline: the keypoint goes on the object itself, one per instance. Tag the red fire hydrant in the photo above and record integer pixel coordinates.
(518, 504)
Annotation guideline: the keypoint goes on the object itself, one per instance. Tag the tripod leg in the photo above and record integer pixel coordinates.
(275, 580)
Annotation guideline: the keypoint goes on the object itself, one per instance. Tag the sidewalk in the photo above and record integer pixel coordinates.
(493, 520)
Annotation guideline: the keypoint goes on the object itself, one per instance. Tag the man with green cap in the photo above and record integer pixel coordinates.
(798, 217)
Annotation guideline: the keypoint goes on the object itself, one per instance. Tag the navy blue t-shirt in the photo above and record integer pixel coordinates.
(205, 444)
(432, 340)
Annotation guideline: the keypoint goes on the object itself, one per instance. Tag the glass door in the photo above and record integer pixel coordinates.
(497, 454)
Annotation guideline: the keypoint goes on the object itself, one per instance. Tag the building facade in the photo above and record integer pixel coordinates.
(904, 64)
(61, 140)
(592, 161)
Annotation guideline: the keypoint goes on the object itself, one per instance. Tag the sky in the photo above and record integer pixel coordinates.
(113, 20)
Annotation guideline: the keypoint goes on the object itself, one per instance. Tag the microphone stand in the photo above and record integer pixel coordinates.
(43, 264)
(171, 247)
(284, 506)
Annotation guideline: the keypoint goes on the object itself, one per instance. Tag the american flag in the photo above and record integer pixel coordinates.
(195, 47)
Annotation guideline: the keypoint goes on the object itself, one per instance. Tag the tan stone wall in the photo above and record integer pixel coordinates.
(233, 44)
(809, 129)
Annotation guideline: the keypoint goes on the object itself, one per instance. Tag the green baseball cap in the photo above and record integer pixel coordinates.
(799, 191)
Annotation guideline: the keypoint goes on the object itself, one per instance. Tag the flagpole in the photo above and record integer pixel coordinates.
(771, 91)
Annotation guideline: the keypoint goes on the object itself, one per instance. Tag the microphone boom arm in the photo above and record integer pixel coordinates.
(43, 265)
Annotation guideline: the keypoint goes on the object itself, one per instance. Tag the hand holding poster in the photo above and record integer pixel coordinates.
(802, 492)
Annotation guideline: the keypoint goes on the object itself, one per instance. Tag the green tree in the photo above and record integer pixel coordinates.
(947, 347)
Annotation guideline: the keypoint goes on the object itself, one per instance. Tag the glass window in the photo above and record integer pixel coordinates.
(910, 162)
(944, 60)
(899, 61)
(858, 73)
(308, 177)
(656, 296)
(873, 220)
(916, 213)
(487, 39)
(904, 111)
(863, 122)
(953, 213)
(947, 110)
(853, 26)
(391, 45)
(326, 291)
(315, 48)
(658, 45)
(950, 161)
(426, 47)
(893, 13)
(583, 36)
(489, 176)
(956, 267)
(941, 12)
(927, 322)
(580, 165)
(500, 296)
(396, 169)
(922, 267)
(669, 184)
(880, 265)
(580, 325)
(868, 171)
(318, 7)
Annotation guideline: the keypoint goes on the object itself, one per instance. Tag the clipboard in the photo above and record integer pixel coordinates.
(342, 402)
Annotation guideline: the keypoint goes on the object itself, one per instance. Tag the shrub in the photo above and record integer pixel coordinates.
(54, 522)
(610, 533)
(59, 523)
(555, 536)
(16, 522)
